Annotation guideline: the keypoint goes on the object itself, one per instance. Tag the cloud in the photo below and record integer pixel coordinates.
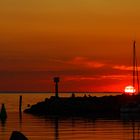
(115, 77)
(83, 61)
(123, 67)
(96, 77)
(79, 78)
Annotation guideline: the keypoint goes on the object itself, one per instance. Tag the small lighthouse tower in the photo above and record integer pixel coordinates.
(56, 81)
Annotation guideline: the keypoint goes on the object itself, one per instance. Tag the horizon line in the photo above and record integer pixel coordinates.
(60, 92)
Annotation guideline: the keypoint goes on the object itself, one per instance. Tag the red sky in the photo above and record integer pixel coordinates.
(87, 43)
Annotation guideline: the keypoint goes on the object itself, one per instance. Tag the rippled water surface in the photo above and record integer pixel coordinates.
(70, 128)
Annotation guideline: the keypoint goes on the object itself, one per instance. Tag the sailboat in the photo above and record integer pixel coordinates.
(134, 106)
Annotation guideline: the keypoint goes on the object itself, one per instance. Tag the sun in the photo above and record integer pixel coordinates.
(129, 90)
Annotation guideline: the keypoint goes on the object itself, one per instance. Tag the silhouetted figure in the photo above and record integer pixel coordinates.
(18, 136)
(3, 113)
(89, 96)
(73, 95)
(56, 80)
(28, 105)
(85, 96)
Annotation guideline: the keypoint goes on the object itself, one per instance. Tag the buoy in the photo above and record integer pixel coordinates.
(3, 113)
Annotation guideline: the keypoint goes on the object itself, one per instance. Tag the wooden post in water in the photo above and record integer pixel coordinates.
(20, 104)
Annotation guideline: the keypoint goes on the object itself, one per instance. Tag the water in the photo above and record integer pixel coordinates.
(125, 127)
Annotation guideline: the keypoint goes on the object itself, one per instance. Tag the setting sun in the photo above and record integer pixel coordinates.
(129, 90)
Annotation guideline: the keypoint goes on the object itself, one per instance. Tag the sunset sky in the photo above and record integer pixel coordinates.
(87, 43)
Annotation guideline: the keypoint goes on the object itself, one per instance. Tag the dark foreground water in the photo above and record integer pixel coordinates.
(123, 127)
(72, 128)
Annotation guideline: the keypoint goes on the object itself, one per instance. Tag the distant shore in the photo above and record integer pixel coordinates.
(53, 92)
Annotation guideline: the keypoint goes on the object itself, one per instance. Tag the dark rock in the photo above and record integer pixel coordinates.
(17, 136)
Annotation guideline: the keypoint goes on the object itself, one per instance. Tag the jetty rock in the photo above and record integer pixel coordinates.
(82, 105)
(76, 106)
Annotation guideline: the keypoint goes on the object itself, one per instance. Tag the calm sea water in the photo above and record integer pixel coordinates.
(124, 127)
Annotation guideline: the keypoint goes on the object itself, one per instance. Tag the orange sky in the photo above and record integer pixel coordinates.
(87, 43)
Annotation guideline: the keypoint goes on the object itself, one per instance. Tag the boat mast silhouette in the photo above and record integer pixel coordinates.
(135, 70)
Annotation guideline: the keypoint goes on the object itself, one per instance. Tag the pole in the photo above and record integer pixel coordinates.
(20, 104)
(56, 89)
(56, 81)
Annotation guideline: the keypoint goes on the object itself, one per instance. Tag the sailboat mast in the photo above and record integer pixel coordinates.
(137, 70)
(134, 63)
